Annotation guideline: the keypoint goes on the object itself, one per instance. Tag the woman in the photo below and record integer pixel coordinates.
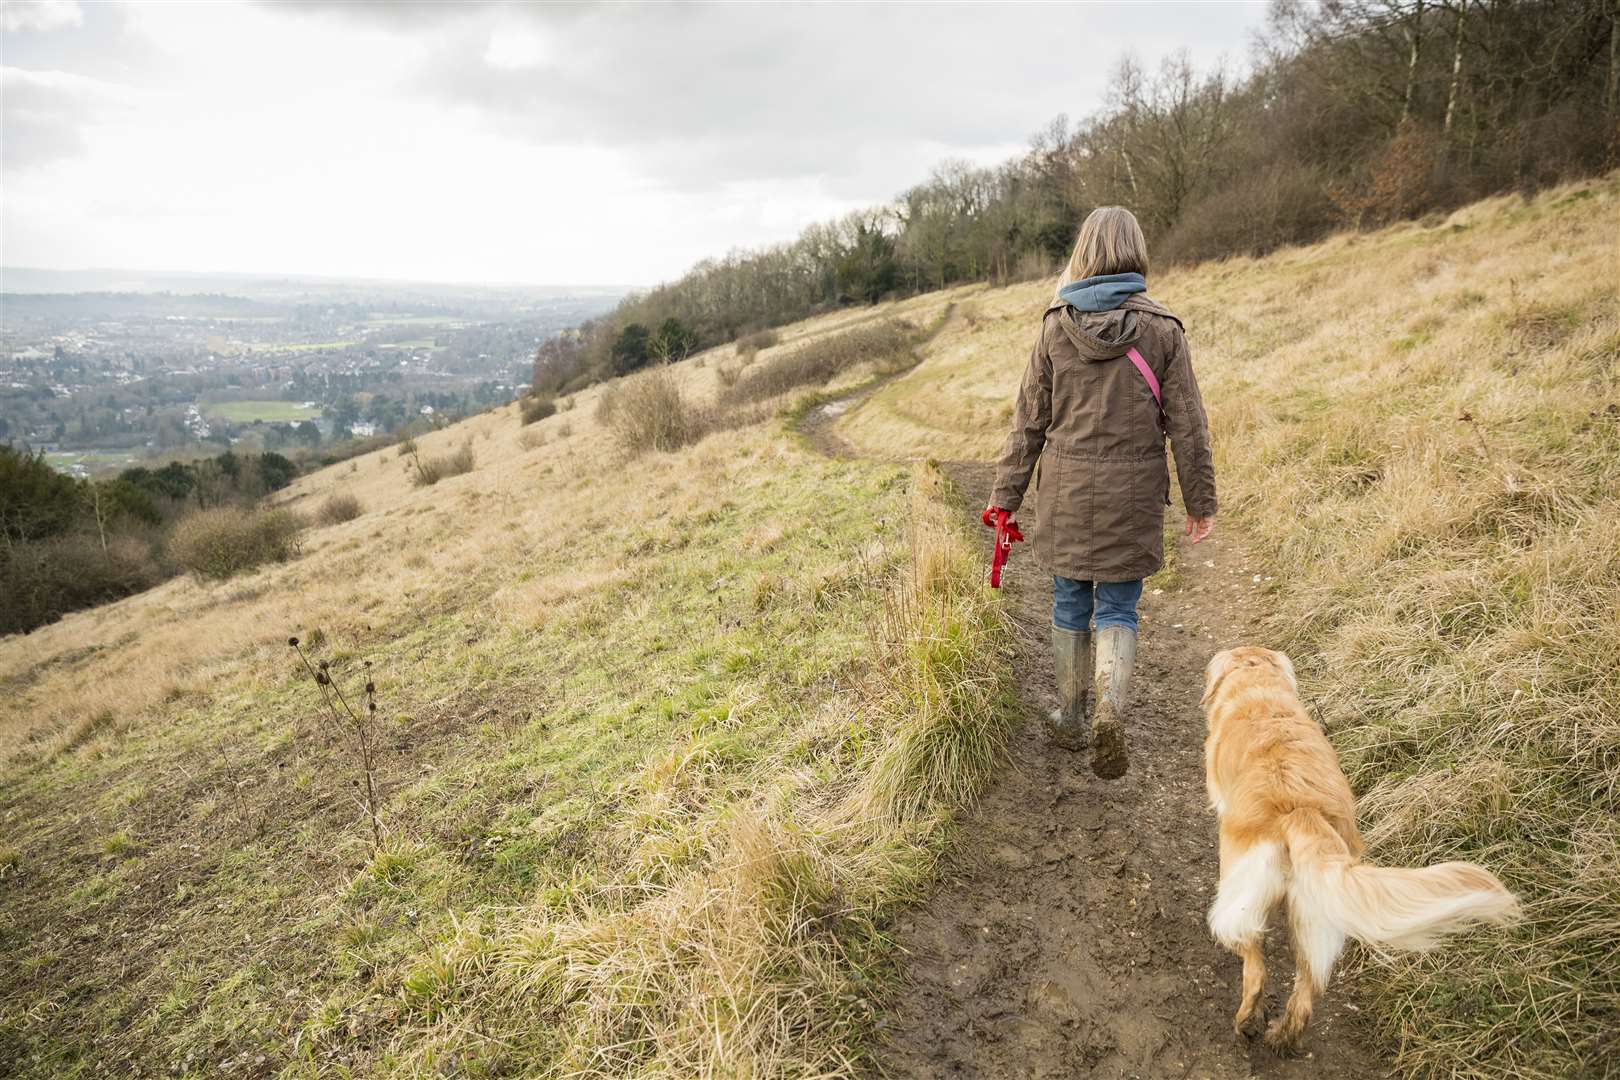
(1108, 380)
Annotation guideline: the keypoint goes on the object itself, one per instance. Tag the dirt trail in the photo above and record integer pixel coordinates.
(1067, 937)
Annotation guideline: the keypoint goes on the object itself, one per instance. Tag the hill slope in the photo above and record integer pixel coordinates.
(660, 742)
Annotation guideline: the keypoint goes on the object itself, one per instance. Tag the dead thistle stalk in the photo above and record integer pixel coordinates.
(359, 728)
(1484, 448)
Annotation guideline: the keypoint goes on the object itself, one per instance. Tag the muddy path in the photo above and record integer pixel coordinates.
(1067, 935)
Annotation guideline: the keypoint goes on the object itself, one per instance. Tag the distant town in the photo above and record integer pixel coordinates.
(102, 370)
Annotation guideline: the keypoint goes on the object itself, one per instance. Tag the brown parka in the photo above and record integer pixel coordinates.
(1088, 428)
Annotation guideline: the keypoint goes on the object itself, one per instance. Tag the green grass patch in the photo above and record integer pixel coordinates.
(246, 412)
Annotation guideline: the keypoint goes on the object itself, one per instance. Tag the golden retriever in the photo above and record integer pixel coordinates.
(1288, 830)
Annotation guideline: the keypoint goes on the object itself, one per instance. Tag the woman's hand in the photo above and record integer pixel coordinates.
(989, 517)
(1198, 528)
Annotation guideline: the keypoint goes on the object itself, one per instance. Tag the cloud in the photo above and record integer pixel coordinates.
(522, 141)
(701, 95)
(22, 15)
(45, 114)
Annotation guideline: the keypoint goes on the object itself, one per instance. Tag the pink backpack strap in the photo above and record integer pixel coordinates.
(1147, 373)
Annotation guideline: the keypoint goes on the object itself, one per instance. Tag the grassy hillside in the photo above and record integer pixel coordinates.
(1419, 430)
(659, 744)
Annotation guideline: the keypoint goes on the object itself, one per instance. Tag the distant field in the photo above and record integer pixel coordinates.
(93, 460)
(245, 412)
(307, 346)
(410, 320)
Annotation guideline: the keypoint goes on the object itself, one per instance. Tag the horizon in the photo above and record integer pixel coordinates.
(277, 275)
(477, 144)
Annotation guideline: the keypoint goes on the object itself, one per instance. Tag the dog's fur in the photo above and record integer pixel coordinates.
(1288, 830)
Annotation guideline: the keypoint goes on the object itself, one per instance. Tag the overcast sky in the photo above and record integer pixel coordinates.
(612, 144)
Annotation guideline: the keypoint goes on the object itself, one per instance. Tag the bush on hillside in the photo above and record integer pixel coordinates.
(43, 580)
(649, 412)
(340, 506)
(536, 407)
(886, 344)
(228, 540)
(757, 342)
(432, 470)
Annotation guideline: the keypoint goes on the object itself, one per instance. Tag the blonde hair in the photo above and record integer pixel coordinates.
(1110, 242)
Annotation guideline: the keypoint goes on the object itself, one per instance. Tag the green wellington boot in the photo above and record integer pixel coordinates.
(1116, 657)
(1071, 659)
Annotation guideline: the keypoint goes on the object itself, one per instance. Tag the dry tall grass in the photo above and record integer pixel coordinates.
(1419, 429)
(431, 470)
(756, 961)
(877, 344)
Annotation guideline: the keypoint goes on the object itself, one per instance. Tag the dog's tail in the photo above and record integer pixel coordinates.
(1332, 895)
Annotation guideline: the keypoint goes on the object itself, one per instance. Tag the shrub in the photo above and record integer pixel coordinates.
(536, 408)
(886, 344)
(407, 448)
(228, 540)
(759, 341)
(588, 377)
(606, 404)
(40, 581)
(531, 439)
(340, 506)
(432, 470)
(651, 413)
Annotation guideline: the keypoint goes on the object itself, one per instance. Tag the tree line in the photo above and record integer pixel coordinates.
(1355, 113)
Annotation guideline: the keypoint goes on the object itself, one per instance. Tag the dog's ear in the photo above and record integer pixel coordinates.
(1286, 666)
(1220, 666)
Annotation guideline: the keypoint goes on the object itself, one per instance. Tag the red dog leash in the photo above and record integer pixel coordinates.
(1007, 534)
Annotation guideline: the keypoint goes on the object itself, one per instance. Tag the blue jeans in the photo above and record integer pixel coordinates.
(1115, 604)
